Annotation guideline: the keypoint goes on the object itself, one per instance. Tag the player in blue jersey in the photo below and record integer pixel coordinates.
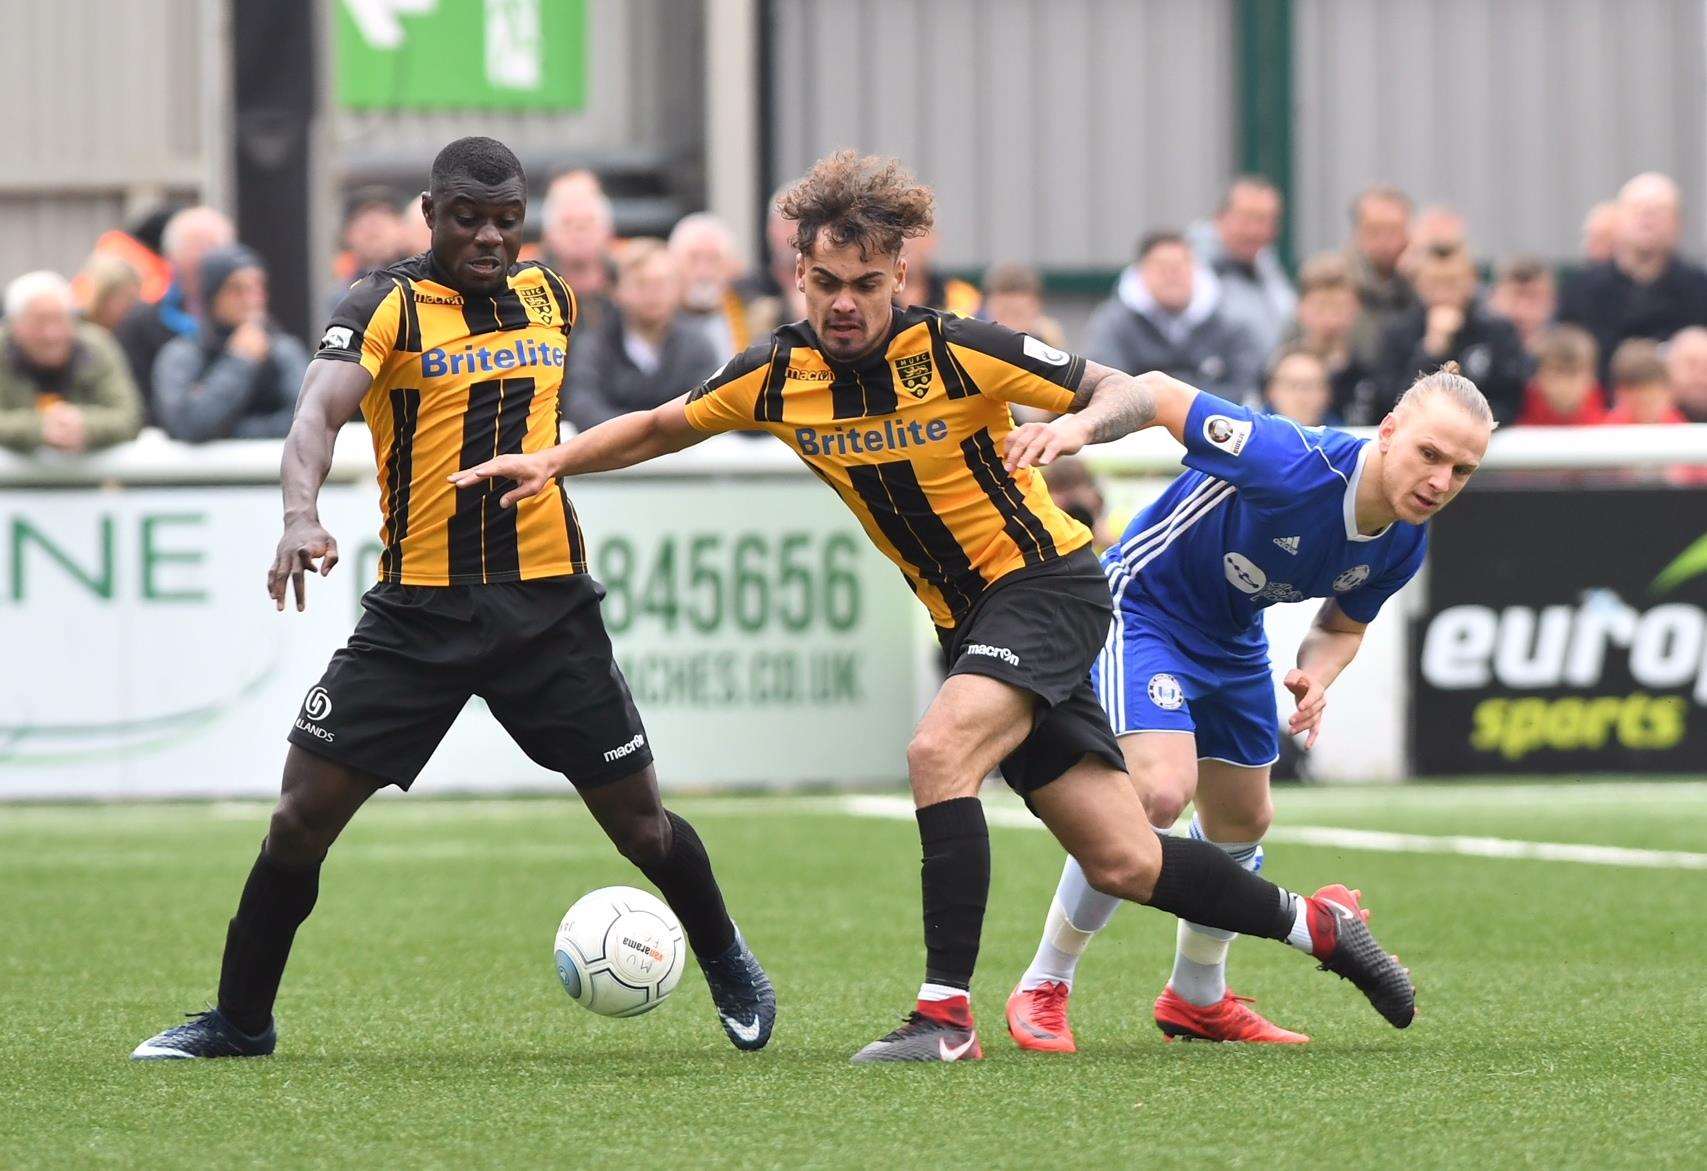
(1268, 511)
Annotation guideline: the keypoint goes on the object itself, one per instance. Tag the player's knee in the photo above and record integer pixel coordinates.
(1165, 796)
(644, 841)
(294, 838)
(1129, 874)
(934, 764)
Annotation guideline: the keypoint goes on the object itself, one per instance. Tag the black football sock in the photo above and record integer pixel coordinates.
(275, 901)
(1200, 883)
(955, 875)
(685, 880)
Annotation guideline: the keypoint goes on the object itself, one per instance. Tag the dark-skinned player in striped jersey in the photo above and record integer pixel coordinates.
(456, 351)
(904, 414)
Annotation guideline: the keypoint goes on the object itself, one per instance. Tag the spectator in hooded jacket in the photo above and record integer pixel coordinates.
(64, 384)
(1565, 391)
(238, 375)
(1238, 247)
(1451, 324)
(1166, 315)
(1647, 289)
(188, 236)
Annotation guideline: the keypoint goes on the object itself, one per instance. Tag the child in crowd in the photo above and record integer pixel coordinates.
(1564, 391)
(1641, 387)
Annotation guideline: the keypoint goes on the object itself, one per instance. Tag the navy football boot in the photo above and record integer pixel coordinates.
(205, 1034)
(742, 994)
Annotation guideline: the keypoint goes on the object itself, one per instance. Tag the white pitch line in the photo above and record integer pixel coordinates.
(1335, 837)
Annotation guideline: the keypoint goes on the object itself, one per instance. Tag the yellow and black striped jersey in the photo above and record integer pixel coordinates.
(458, 380)
(911, 438)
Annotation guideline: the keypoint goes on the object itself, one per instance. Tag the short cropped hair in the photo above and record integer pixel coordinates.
(865, 201)
(1637, 362)
(484, 160)
(1568, 349)
(1150, 241)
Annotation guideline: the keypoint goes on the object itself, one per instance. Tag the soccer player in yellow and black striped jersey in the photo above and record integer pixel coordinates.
(904, 414)
(454, 356)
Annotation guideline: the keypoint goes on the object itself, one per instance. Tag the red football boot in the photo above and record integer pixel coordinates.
(1228, 1019)
(1340, 939)
(1037, 1018)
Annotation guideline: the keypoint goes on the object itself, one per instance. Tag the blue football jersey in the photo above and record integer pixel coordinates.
(1265, 514)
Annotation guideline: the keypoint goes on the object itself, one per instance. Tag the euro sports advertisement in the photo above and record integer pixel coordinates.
(1565, 632)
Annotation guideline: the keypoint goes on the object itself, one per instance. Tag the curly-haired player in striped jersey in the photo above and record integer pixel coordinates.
(903, 413)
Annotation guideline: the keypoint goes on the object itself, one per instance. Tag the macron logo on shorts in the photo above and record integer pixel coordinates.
(629, 749)
(994, 652)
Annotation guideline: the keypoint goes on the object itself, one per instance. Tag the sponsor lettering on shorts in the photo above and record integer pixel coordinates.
(628, 749)
(994, 652)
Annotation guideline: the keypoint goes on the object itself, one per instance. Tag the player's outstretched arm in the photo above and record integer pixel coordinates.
(331, 392)
(1108, 404)
(1328, 648)
(621, 442)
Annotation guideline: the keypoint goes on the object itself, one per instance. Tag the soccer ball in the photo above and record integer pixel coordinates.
(619, 951)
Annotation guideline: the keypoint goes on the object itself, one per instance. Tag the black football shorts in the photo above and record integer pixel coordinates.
(535, 651)
(1041, 629)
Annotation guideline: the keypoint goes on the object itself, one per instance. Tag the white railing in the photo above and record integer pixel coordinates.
(154, 459)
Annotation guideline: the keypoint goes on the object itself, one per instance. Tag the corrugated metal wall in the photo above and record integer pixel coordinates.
(1521, 113)
(1054, 131)
(102, 102)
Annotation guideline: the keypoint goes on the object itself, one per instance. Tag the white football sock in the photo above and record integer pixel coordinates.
(1077, 913)
(1300, 937)
(929, 992)
(1200, 956)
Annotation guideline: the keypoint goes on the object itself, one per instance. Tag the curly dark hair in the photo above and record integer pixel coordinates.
(857, 199)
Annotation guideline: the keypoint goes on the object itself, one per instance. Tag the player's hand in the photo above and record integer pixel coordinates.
(1312, 700)
(1037, 445)
(531, 472)
(304, 546)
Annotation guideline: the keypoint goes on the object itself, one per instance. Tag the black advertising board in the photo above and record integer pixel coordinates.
(1565, 632)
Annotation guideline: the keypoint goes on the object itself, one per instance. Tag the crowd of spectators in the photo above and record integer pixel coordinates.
(167, 323)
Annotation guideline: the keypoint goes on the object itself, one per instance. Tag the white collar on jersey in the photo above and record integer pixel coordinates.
(1351, 533)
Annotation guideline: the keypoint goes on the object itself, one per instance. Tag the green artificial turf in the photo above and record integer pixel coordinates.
(421, 1024)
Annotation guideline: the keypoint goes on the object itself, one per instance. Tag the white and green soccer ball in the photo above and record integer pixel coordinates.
(619, 951)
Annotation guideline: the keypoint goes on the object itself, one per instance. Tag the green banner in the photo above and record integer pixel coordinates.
(462, 54)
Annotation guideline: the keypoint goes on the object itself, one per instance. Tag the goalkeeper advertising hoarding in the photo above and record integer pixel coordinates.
(1565, 632)
(765, 640)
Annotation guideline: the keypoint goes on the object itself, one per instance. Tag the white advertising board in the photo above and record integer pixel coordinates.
(765, 639)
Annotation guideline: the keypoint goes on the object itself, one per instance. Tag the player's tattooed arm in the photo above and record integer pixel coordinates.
(1107, 405)
(331, 392)
(1110, 403)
